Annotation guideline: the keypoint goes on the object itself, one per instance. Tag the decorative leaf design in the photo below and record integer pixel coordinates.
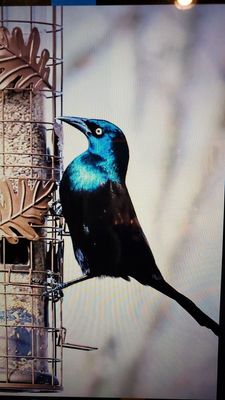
(18, 65)
(18, 210)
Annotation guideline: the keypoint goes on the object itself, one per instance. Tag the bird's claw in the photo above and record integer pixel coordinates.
(53, 289)
(54, 293)
(56, 209)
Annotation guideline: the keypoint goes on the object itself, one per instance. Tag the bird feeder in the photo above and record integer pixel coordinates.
(31, 245)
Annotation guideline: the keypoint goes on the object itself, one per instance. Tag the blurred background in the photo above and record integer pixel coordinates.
(159, 74)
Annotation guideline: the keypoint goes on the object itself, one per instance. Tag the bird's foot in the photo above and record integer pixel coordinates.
(56, 208)
(54, 293)
(53, 289)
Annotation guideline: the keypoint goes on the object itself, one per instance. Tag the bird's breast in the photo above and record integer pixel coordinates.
(83, 175)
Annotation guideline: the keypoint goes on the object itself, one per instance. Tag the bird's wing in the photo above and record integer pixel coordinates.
(119, 246)
(105, 229)
(136, 256)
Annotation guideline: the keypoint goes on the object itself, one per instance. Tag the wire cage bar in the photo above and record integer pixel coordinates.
(31, 231)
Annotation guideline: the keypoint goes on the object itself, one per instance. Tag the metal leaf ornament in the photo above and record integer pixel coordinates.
(18, 61)
(18, 210)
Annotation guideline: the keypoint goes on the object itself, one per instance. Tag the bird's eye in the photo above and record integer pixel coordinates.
(98, 131)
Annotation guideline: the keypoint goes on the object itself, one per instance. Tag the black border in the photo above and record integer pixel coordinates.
(221, 347)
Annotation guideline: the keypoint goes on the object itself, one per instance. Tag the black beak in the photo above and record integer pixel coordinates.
(77, 122)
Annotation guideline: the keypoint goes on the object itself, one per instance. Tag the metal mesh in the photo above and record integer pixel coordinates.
(31, 148)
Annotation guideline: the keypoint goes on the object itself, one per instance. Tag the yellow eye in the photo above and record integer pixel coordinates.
(98, 131)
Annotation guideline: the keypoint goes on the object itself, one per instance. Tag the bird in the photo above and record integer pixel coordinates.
(107, 237)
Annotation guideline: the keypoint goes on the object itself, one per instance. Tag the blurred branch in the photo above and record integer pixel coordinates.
(123, 22)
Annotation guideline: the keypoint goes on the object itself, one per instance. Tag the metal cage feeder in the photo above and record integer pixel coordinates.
(31, 230)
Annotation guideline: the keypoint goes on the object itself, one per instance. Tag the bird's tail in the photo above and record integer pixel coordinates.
(203, 319)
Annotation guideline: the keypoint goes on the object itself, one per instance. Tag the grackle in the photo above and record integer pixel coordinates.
(106, 234)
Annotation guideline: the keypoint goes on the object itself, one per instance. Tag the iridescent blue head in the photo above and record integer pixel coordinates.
(106, 141)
